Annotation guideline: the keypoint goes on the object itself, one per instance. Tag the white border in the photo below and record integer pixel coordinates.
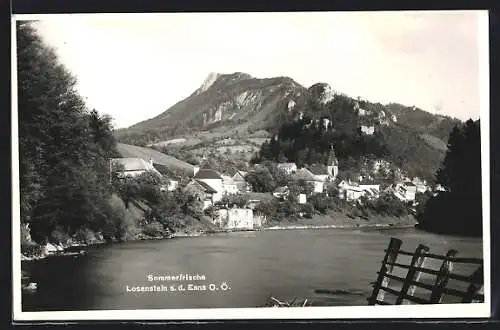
(481, 310)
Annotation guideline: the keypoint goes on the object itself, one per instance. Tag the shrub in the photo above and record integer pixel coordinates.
(58, 235)
(153, 229)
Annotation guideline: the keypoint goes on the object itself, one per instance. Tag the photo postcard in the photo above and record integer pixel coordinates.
(225, 166)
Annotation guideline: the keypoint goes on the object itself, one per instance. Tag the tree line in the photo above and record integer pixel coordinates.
(64, 147)
(457, 209)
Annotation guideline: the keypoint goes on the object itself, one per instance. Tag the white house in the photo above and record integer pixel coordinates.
(308, 177)
(171, 186)
(372, 191)
(228, 185)
(320, 172)
(132, 166)
(214, 180)
(405, 191)
(239, 180)
(350, 191)
(302, 199)
(368, 130)
(203, 192)
(363, 112)
(288, 168)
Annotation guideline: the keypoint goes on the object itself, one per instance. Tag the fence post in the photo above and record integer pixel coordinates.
(413, 275)
(390, 257)
(476, 285)
(442, 278)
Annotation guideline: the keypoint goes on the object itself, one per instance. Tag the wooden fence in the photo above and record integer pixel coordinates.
(419, 283)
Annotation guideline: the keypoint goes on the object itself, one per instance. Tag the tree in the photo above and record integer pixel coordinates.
(261, 180)
(458, 209)
(64, 148)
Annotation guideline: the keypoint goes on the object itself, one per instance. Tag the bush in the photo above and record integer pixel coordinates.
(58, 235)
(307, 210)
(321, 203)
(31, 250)
(153, 229)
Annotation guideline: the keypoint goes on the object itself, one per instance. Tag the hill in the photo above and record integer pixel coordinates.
(225, 104)
(127, 150)
(239, 106)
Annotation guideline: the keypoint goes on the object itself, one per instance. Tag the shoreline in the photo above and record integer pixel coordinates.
(71, 249)
(357, 226)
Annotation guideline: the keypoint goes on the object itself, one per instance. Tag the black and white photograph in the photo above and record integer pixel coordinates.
(258, 165)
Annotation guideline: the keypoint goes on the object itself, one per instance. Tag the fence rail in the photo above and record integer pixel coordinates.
(404, 293)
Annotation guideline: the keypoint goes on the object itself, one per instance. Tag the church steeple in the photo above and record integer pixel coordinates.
(332, 165)
(332, 159)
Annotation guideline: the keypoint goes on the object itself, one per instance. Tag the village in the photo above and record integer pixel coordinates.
(212, 187)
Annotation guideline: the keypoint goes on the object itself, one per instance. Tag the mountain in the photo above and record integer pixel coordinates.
(227, 103)
(240, 106)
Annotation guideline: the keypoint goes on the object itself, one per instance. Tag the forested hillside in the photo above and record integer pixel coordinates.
(402, 137)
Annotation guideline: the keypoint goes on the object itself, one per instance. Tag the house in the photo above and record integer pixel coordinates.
(306, 175)
(421, 185)
(350, 191)
(228, 185)
(371, 190)
(320, 172)
(368, 130)
(288, 168)
(302, 199)
(239, 180)
(132, 166)
(173, 183)
(203, 192)
(405, 191)
(214, 180)
(362, 112)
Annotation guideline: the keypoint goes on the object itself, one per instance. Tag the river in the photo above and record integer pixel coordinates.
(254, 265)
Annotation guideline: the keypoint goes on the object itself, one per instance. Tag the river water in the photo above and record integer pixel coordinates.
(254, 265)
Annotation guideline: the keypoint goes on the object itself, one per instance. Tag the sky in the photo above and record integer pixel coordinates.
(135, 66)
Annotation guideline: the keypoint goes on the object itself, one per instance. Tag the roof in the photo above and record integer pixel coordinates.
(409, 184)
(206, 188)
(254, 196)
(287, 165)
(318, 169)
(134, 164)
(303, 174)
(239, 176)
(128, 150)
(227, 179)
(355, 188)
(207, 174)
(369, 183)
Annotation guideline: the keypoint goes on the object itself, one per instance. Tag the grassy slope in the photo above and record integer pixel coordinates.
(127, 150)
(334, 218)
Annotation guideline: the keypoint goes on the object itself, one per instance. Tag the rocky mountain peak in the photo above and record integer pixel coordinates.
(322, 92)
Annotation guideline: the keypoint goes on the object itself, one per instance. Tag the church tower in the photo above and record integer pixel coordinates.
(332, 164)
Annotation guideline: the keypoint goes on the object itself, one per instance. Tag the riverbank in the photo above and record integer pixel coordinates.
(340, 220)
(331, 220)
